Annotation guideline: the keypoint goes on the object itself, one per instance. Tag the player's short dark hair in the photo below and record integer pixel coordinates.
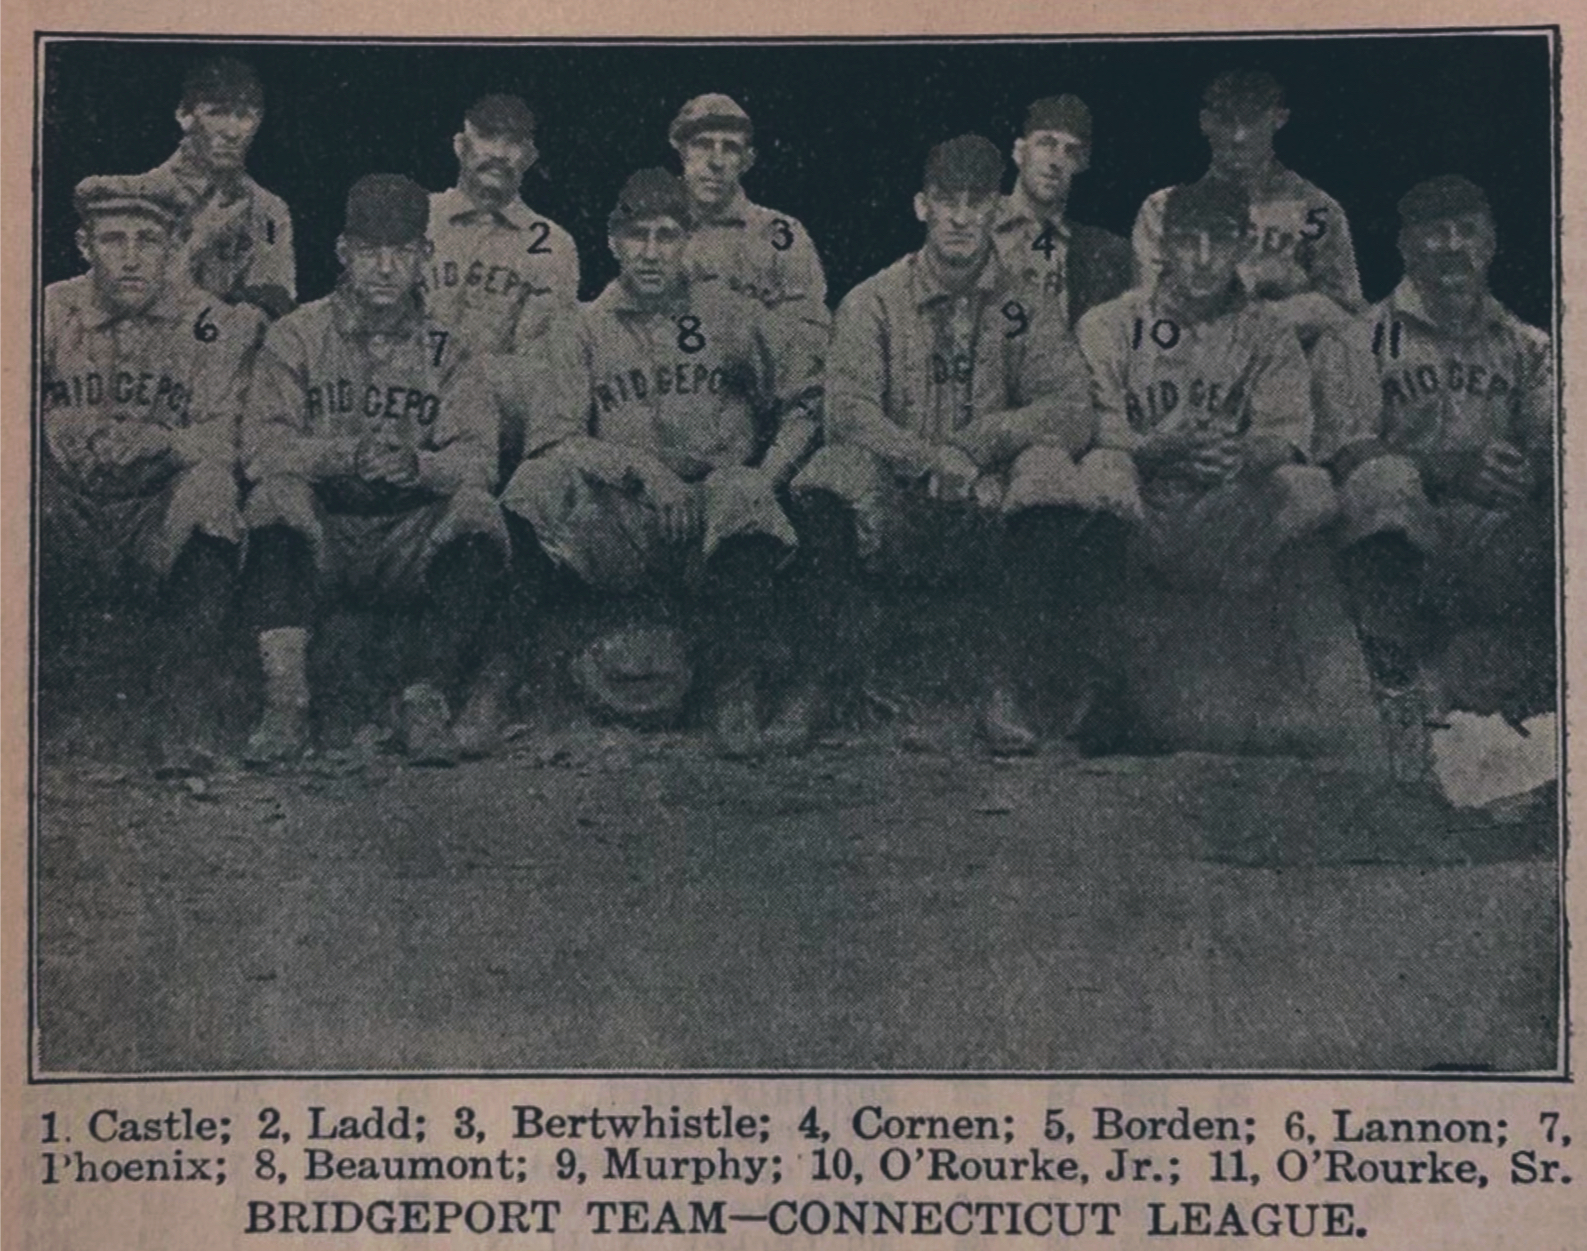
(964, 163)
(501, 116)
(1209, 204)
(1449, 195)
(649, 193)
(222, 80)
(1243, 91)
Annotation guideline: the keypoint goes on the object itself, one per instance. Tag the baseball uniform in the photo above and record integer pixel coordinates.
(1073, 265)
(1243, 373)
(325, 380)
(760, 253)
(497, 278)
(139, 417)
(706, 384)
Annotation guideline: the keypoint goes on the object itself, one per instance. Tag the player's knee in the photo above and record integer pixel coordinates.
(845, 470)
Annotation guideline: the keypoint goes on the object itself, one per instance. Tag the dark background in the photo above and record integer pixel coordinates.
(842, 129)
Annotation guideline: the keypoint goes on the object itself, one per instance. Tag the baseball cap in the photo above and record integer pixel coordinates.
(497, 115)
(1448, 195)
(965, 163)
(387, 209)
(1066, 113)
(650, 193)
(1210, 204)
(1243, 91)
(709, 112)
(155, 194)
(222, 80)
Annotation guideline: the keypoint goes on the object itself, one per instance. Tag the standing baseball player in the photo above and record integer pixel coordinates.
(239, 244)
(499, 273)
(370, 445)
(1436, 415)
(1206, 390)
(1072, 265)
(700, 406)
(143, 383)
(1302, 261)
(757, 251)
(956, 408)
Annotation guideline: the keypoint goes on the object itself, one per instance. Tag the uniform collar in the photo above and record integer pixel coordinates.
(1018, 209)
(353, 323)
(618, 299)
(1408, 301)
(455, 206)
(199, 180)
(97, 314)
(929, 288)
(734, 213)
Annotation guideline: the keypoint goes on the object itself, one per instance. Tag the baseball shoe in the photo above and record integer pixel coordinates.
(478, 727)
(280, 737)
(1404, 711)
(795, 723)
(736, 723)
(427, 736)
(1003, 726)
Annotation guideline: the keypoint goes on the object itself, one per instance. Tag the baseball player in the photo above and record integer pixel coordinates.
(1436, 415)
(1206, 391)
(764, 254)
(1073, 265)
(499, 272)
(700, 406)
(370, 444)
(1302, 261)
(143, 383)
(956, 407)
(239, 244)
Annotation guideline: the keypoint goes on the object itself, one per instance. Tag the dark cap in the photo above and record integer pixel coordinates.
(650, 193)
(222, 80)
(1066, 113)
(1210, 204)
(709, 112)
(965, 163)
(1243, 91)
(501, 115)
(154, 194)
(1448, 195)
(387, 208)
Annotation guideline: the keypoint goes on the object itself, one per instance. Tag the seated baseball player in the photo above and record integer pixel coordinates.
(1204, 390)
(956, 408)
(143, 382)
(1436, 415)
(700, 407)
(370, 447)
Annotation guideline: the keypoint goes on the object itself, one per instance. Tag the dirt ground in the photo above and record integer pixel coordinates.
(600, 897)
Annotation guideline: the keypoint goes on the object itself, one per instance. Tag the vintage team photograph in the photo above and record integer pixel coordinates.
(938, 556)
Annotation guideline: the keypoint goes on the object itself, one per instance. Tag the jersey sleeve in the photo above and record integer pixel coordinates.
(800, 276)
(1146, 240)
(222, 381)
(1346, 398)
(1104, 351)
(1535, 400)
(460, 449)
(1280, 398)
(1333, 269)
(275, 265)
(542, 395)
(793, 345)
(857, 385)
(541, 317)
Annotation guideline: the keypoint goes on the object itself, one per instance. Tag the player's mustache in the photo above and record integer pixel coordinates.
(495, 163)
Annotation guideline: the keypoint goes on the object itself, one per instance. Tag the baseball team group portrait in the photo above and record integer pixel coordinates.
(917, 556)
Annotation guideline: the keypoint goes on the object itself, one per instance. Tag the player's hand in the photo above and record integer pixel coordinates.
(953, 475)
(120, 444)
(1175, 448)
(1503, 478)
(676, 502)
(1217, 460)
(382, 457)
